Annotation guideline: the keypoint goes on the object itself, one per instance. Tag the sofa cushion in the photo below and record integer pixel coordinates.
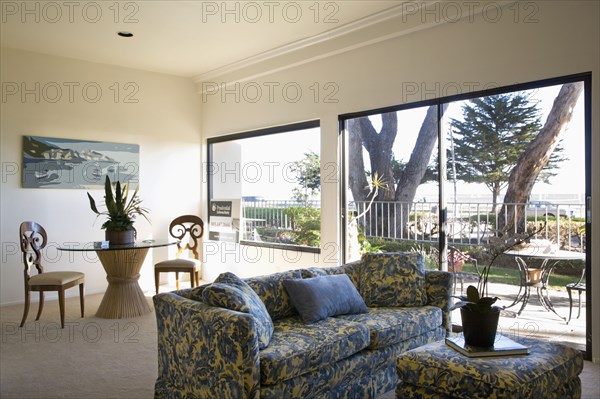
(393, 279)
(320, 297)
(297, 348)
(352, 270)
(270, 290)
(389, 326)
(231, 292)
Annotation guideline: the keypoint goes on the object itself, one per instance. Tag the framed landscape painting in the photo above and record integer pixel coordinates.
(63, 163)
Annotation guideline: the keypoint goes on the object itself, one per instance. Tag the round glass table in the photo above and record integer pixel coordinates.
(122, 263)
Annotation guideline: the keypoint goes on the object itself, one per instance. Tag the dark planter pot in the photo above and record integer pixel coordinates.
(120, 237)
(479, 329)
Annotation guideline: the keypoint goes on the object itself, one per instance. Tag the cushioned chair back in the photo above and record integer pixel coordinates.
(33, 239)
(188, 229)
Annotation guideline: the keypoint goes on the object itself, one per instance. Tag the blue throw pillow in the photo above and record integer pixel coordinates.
(320, 297)
(231, 292)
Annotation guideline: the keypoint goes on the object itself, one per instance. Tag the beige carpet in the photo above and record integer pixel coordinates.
(98, 358)
(90, 358)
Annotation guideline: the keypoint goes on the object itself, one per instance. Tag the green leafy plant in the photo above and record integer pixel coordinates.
(121, 210)
(306, 224)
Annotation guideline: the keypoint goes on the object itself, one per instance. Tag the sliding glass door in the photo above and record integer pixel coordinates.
(451, 174)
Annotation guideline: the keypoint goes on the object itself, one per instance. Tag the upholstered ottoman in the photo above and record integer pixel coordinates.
(437, 371)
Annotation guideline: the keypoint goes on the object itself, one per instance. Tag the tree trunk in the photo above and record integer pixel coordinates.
(357, 178)
(495, 195)
(416, 166)
(535, 157)
(379, 146)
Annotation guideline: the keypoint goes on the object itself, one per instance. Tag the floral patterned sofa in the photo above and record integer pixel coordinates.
(207, 351)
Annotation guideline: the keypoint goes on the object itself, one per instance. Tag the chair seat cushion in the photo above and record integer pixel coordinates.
(297, 348)
(389, 326)
(180, 263)
(55, 278)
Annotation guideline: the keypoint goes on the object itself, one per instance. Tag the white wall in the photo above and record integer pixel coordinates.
(558, 39)
(164, 122)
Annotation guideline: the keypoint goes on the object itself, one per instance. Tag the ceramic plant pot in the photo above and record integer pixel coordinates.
(479, 329)
(120, 237)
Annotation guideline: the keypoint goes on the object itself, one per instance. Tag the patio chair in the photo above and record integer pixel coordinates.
(529, 278)
(188, 229)
(580, 288)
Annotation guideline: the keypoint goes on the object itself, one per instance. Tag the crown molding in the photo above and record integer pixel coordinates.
(398, 12)
(354, 26)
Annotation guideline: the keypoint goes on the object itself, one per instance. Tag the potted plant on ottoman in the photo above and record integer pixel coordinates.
(121, 211)
(479, 317)
(478, 313)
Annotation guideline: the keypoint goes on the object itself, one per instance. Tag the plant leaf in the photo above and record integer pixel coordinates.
(93, 204)
(472, 294)
(487, 301)
(460, 304)
(108, 195)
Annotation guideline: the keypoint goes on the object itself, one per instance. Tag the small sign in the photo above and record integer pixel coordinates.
(224, 221)
(220, 208)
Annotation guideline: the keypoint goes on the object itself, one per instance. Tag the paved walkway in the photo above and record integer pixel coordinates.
(535, 321)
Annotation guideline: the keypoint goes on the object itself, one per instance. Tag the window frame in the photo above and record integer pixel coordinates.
(585, 78)
(311, 124)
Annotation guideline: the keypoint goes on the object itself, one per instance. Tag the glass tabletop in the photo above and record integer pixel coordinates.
(539, 253)
(105, 246)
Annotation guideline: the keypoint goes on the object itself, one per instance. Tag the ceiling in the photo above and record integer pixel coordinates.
(183, 38)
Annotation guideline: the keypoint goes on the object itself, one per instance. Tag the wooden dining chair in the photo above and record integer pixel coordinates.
(188, 229)
(33, 239)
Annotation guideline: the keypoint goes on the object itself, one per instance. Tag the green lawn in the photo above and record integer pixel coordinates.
(511, 276)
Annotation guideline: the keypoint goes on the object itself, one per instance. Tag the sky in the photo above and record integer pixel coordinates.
(570, 178)
(266, 160)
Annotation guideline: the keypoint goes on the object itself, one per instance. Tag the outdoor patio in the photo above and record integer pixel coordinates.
(535, 321)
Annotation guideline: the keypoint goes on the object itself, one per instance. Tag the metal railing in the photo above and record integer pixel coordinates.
(270, 215)
(467, 222)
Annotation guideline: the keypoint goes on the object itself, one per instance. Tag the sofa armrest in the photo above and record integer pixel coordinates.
(205, 351)
(438, 285)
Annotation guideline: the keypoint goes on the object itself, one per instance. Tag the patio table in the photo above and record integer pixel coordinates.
(529, 277)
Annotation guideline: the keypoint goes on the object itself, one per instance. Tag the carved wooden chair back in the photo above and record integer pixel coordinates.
(188, 229)
(33, 240)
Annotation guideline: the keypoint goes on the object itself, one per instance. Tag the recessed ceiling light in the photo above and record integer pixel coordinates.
(125, 34)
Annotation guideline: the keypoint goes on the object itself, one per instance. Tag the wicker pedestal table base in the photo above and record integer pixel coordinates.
(123, 297)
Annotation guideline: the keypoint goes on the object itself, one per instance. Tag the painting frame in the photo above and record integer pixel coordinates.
(50, 162)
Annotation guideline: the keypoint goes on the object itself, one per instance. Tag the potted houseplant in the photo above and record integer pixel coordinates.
(478, 313)
(121, 211)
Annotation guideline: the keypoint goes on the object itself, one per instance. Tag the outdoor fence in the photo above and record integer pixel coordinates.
(469, 223)
(273, 220)
(466, 223)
